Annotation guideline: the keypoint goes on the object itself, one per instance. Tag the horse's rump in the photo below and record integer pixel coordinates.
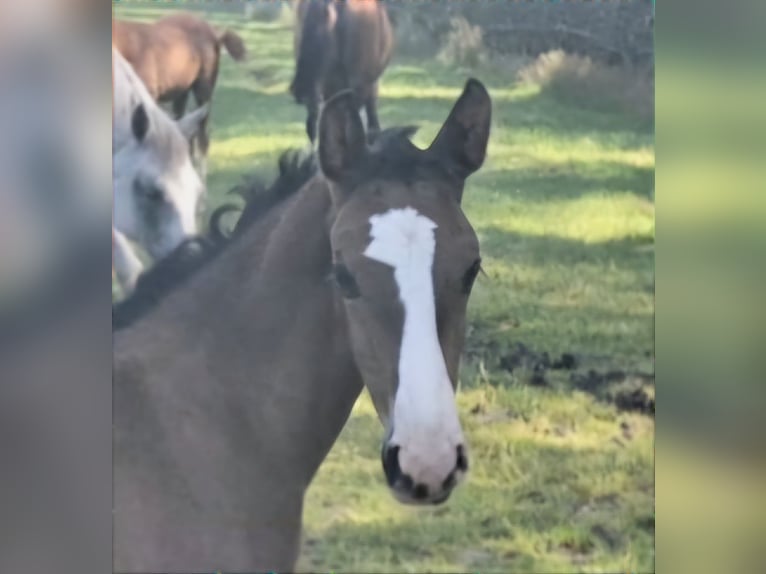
(366, 41)
(360, 50)
(203, 34)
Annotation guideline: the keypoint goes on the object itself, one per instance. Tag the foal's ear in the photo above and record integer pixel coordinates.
(191, 123)
(462, 140)
(342, 141)
(139, 123)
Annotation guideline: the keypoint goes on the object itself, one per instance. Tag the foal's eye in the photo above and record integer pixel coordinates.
(470, 276)
(346, 282)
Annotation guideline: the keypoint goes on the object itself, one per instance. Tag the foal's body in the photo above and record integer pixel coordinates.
(339, 45)
(199, 482)
(228, 395)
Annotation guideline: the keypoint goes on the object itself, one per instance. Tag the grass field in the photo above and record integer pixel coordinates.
(562, 450)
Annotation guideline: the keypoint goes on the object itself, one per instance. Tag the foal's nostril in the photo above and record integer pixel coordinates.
(403, 483)
(462, 460)
(390, 459)
(420, 492)
(394, 475)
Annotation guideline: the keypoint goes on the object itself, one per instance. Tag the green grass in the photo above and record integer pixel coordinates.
(564, 208)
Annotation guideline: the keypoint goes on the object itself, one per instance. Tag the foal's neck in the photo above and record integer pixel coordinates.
(295, 366)
(310, 372)
(229, 397)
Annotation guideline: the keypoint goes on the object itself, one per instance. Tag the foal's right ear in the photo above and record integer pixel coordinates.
(139, 123)
(462, 140)
(342, 141)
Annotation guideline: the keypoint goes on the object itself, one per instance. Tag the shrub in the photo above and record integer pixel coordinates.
(264, 11)
(464, 44)
(415, 34)
(579, 81)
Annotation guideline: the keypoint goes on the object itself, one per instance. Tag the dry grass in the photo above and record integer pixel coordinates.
(414, 34)
(464, 44)
(577, 80)
(267, 11)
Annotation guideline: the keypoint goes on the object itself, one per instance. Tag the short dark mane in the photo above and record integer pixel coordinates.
(295, 169)
(394, 156)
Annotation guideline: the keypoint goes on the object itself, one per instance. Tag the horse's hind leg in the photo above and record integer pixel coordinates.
(312, 107)
(371, 110)
(203, 94)
(201, 144)
(179, 109)
(179, 105)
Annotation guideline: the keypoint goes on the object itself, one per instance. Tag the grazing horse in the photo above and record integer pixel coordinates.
(230, 392)
(156, 188)
(177, 55)
(343, 44)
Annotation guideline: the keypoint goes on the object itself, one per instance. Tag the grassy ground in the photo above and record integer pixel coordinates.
(562, 455)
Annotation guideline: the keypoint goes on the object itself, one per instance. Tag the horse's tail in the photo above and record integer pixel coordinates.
(233, 43)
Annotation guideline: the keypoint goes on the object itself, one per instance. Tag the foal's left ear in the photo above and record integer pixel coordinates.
(342, 141)
(462, 140)
(191, 123)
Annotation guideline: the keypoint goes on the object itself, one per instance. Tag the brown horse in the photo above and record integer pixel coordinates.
(340, 44)
(177, 55)
(230, 392)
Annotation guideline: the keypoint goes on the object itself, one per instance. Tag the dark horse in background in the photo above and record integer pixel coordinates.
(177, 55)
(339, 45)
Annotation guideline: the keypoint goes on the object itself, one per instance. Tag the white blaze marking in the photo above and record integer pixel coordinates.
(426, 424)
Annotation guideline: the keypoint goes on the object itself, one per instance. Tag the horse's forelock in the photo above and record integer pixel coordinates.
(394, 136)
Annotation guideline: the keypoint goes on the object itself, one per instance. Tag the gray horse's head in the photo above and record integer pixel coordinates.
(156, 188)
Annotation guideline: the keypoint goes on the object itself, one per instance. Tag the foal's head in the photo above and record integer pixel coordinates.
(405, 259)
(156, 188)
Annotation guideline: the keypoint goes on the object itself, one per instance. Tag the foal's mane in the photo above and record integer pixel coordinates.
(167, 275)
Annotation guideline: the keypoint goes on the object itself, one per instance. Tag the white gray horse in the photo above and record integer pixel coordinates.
(156, 188)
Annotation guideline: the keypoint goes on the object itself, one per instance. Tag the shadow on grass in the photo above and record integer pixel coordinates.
(544, 250)
(263, 113)
(596, 338)
(257, 113)
(577, 179)
(541, 112)
(556, 295)
(537, 113)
